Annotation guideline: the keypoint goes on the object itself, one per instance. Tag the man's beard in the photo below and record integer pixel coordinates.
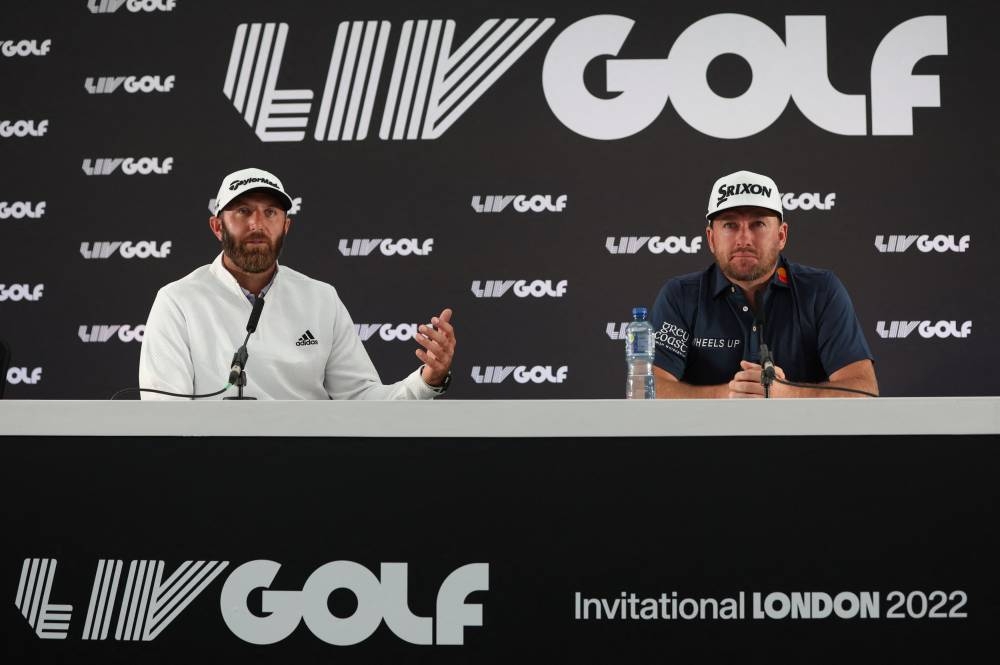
(765, 265)
(251, 259)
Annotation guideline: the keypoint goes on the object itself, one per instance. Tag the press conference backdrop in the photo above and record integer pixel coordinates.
(539, 168)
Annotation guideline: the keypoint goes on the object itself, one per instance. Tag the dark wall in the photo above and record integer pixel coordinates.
(853, 144)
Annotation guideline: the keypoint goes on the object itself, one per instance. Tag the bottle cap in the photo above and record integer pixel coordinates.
(639, 313)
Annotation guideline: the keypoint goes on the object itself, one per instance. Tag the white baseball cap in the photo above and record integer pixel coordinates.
(244, 180)
(743, 188)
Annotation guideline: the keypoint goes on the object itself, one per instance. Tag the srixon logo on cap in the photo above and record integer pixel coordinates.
(725, 191)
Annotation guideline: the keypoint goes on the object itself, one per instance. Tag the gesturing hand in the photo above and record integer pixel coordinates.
(438, 342)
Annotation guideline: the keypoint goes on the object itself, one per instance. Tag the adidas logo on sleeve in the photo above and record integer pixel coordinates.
(307, 339)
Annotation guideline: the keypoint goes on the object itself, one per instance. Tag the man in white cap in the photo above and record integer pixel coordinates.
(304, 347)
(710, 325)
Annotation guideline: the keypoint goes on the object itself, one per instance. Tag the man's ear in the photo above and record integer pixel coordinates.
(215, 223)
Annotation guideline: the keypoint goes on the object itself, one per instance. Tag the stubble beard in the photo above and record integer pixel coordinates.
(765, 266)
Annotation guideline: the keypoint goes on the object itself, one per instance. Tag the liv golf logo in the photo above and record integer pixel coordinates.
(21, 209)
(17, 292)
(386, 246)
(433, 82)
(12, 48)
(129, 165)
(926, 329)
(134, 6)
(23, 128)
(105, 85)
(521, 373)
(128, 249)
(521, 288)
(388, 332)
(522, 202)
(145, 604)
(428, 91)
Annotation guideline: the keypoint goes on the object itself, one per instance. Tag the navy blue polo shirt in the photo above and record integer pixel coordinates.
(704, 325)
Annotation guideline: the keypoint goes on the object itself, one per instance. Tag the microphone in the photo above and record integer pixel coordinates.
(236, 376)
(240, 357)
(767, 375)
(239, 362)
(255, 315)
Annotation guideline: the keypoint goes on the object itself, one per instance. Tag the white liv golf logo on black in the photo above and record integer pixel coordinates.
(655, 244)
(127, 249)
(786, 67)
(136, 603)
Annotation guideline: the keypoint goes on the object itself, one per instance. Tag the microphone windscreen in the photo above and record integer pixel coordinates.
(255, 314)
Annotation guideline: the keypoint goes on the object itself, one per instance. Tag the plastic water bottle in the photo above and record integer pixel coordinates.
(639, 382)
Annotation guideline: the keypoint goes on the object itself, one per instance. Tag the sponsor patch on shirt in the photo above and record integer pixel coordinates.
(715, 343)
(673, 338)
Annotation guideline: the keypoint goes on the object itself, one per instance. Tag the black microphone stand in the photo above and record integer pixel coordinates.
(240, 358)
(767, 373)
(239, 378)
(766, 362)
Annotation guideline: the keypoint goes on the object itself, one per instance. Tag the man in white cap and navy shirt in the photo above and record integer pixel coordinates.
(710, 325)
(305, 345)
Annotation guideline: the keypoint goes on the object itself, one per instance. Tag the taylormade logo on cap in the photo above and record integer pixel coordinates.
(743, 188)
(244, 180)
(236, 184)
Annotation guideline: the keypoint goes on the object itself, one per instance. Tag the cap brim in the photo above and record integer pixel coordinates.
(284, 198)
(742, 204)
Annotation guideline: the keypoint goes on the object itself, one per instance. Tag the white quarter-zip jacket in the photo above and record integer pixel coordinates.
(305, 345)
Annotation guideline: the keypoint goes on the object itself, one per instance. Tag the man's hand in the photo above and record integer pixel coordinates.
(746, 382)
(438, 340)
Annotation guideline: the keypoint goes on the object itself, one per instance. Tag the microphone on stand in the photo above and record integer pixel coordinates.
(237, 377)
(766, 361)
(767, 373)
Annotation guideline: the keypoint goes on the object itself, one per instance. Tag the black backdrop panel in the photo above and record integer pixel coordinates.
(702, 518)
(931, 178)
